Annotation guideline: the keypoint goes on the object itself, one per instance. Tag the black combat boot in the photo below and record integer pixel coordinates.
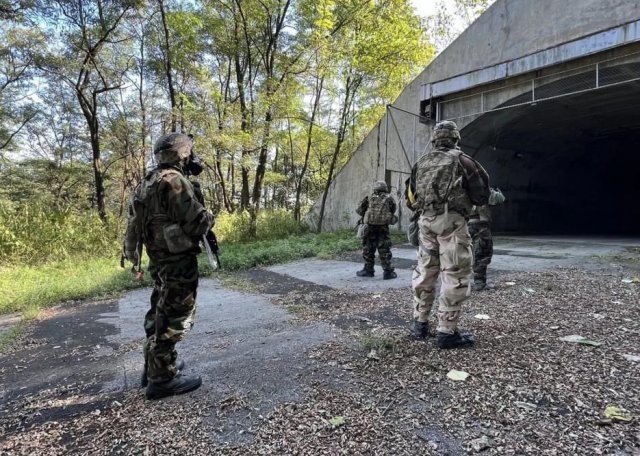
(420, 330)
(180, 384)
(389, 275)
(479, 281)
(144, 381)
(455, 340)
(365, 273)
(478, 285)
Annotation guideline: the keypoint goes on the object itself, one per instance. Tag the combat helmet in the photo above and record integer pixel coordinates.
(173, 149)
(446, 130)
(380, 187)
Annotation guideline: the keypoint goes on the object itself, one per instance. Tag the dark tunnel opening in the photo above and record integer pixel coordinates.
(567, 166)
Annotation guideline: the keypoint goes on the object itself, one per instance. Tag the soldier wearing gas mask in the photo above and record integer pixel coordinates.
(169, 219)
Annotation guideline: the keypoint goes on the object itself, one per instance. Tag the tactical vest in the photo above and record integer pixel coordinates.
(439, 180)
(378, 212)
(158, 232)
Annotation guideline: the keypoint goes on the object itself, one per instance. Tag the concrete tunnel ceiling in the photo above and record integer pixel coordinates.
(569, 165)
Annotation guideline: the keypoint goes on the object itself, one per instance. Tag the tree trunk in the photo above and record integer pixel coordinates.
(260, 171)
(303, 171)
(350, 89)
(167, 67)
(228, 204)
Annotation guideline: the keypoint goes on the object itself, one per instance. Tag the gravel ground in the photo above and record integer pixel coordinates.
(528, 392)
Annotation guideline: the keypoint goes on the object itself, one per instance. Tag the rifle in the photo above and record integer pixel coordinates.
(136, 268)
(211, 246)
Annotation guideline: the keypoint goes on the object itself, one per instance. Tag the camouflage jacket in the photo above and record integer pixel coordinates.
(382, 214)
(165, 215)
(472, 189)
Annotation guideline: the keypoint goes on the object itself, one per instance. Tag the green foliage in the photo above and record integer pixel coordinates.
(25, 288)
(248, 255)
(33, 233)
(276, 224)
(28, 288)
(378, 342)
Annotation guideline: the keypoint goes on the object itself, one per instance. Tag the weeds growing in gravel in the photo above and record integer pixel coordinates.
(379, 343)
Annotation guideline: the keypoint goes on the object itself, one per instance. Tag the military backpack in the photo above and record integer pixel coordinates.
(378, 211)
(439, 182)
(148, 222)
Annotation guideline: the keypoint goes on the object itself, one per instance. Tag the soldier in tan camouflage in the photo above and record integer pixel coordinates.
(378, 212)
(167, 218)
(443, 187)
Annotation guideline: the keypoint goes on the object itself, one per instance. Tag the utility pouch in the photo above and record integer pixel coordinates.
(413, 230)
(176, 239)
(363, 230)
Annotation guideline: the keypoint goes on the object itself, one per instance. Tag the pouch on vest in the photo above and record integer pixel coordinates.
(413, 233)
(362, 230)
(437, 173)
(413, 229)
(176, 239)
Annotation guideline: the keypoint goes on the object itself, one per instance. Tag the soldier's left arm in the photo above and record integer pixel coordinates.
(363, 206)
(410, 189)
(133, 235)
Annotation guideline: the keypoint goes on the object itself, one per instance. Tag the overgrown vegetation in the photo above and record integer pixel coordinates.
(26, 288)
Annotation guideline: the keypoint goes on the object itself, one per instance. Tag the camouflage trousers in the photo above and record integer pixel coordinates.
(445, 253)
(480, 232)
(171, 316)
(377, 238)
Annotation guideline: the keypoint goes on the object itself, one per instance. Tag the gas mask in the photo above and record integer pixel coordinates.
(194, 165)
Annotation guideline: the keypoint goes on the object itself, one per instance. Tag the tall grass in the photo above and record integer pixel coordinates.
(50, 255)
(25, 288)
(34, 234)
(271, 224)
(28, 288)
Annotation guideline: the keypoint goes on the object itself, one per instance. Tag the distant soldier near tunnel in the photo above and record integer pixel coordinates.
(480, 231)
(166, 216)
(443, 187)
(378, 212)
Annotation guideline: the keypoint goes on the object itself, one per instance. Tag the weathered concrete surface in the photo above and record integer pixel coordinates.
(512, 28)
(8, 322)
(341, 275)
(539, 253)
(232, 328)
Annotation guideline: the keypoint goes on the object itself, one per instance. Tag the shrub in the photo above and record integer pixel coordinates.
(271, 224)
(33, 233)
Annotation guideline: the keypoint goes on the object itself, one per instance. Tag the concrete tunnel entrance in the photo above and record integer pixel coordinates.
(569, 165)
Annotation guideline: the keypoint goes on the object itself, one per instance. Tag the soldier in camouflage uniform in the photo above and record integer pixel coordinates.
(167, 218)
(443, 187)
(378, 212)
(480, 231)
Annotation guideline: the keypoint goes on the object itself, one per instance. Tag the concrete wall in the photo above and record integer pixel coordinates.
(508, 30)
